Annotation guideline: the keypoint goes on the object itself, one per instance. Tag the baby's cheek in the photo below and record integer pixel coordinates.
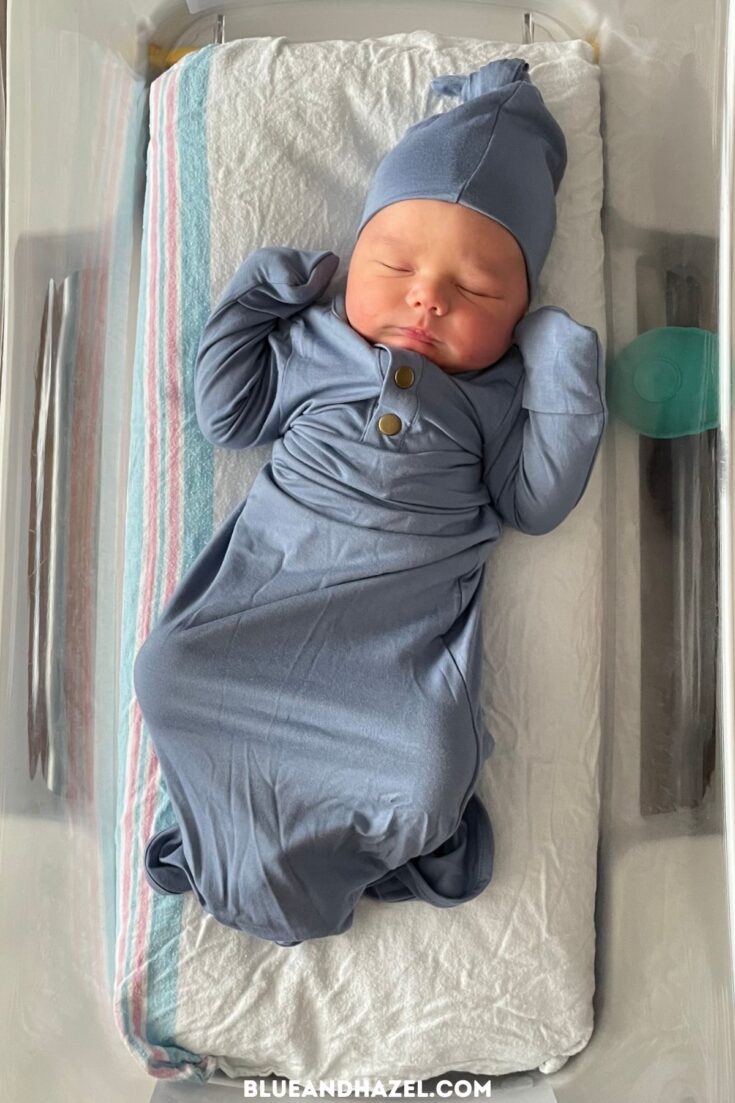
(483, 334)
(366, 309)
(486, 343)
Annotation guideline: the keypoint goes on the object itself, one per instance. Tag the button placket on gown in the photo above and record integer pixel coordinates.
(399, 397)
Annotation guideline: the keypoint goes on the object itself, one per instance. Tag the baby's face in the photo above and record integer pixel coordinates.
(443, 268)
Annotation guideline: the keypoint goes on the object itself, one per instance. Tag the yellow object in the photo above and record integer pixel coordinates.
(389, 424)
(404, 377)
(164, 59)
(596, 47)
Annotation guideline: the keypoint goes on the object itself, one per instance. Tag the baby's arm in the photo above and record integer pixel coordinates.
(553, 429)
(238, 371)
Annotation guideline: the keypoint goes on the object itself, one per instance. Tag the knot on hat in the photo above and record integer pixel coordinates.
(496, 74)
(500, 152)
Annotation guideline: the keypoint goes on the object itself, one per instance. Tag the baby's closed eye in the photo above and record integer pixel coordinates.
(469, 290)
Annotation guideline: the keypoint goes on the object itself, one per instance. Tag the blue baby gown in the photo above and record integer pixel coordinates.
(312, 688)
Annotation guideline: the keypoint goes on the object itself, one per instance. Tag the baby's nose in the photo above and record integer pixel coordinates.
(429, 295)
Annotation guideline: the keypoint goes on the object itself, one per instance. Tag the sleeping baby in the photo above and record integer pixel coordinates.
(312, 688)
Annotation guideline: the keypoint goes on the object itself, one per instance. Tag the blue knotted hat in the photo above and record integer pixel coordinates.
(500, 152)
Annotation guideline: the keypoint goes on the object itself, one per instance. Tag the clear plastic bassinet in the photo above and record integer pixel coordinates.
(77, 86)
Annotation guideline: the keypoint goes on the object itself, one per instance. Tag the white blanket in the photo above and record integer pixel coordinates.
(505, 982)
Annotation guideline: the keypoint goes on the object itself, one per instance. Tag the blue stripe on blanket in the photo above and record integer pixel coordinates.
(147, 1006)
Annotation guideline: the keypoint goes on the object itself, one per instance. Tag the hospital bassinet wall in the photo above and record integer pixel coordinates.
(75, 186)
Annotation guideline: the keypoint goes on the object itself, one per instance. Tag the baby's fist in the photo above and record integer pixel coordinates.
(306, 272)
(549, 329)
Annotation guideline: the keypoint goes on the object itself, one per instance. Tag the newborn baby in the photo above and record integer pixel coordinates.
(312, 688)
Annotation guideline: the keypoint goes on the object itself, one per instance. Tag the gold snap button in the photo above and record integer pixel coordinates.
(404, 376)
(390, 424)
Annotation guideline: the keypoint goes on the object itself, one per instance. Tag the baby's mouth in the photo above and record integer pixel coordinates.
(418, 335)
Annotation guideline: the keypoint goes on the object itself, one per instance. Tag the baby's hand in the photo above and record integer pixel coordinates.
(296, 276)
(550, 330)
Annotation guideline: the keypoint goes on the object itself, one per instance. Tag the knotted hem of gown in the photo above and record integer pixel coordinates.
(456, 871)
(164, 853)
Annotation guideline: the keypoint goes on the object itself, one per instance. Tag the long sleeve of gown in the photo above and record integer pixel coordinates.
(243, 353)
(541, 459)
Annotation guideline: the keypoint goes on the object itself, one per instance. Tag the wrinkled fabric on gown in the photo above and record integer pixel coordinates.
(312, 687)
